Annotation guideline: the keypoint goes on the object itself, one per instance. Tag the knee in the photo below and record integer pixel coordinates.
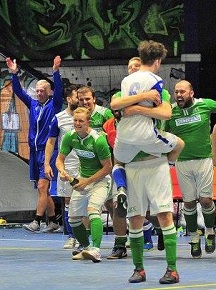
(206, 202)
(75, 222)
(190, 205)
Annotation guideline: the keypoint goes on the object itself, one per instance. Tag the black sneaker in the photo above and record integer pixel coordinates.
(210, 244)
(121, 203)
(138, 276)
(196, 251)
(160, 244)
(118, 253)
(170, 277)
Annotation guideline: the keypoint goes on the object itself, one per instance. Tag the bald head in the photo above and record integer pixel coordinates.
(184, 94)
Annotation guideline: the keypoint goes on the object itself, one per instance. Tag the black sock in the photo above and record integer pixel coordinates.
(38, 218)
(52, 219)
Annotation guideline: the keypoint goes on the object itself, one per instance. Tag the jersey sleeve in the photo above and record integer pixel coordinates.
(108, 114)
(66, 144)
(20, 92)
(54, 129)
(58, 91)
(102, 148)
(211, 104)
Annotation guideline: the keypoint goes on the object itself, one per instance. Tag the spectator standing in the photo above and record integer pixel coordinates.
(41, 112)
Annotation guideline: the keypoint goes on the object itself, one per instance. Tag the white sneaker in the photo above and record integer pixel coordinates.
(51, 227)
(32, 227)
(92, 254)
(70, 243)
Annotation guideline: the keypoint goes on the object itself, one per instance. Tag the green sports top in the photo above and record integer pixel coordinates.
(90, 150)
(99, 116)
(193, 126)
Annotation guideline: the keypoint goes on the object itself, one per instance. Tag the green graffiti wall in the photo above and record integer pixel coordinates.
(88, 29)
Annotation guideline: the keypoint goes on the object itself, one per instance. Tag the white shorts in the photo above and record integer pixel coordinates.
(160, 142)
(195, 178)
(113, 192)
(149, 186)
(64, 189)
(94, 195)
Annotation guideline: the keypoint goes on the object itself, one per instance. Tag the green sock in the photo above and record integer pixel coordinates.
(209, 216)
(170, 243)
(136, 245)
(81, 235)
(120, 242)
(191, 219)
(96, 226)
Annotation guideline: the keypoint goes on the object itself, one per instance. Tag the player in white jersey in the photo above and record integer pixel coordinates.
(191, 122)
(138, 132)
(62, 123)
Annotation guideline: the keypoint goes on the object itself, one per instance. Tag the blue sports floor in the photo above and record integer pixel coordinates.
(38, 261)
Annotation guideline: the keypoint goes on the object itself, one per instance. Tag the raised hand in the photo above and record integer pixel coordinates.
(56, 62)
(12, 65)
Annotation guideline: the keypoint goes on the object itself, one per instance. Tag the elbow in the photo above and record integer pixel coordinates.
(114, 105)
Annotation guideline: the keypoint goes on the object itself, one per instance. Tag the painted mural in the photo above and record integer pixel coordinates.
(38, 30)
(88, 29)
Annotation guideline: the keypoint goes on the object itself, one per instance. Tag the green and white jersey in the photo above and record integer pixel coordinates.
(193, 126)
(90, 150)
(99, 116)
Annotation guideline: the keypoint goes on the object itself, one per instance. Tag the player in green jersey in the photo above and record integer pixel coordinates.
(99, 114)
(92, 190)
(191, 122)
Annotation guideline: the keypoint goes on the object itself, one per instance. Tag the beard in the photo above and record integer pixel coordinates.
(186, 104)
(73, 107)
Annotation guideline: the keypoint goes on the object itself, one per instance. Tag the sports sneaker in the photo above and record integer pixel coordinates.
(210, 244)
(92, 254)
(138, 276)
(148, 247)
(170, 277)
(70, 243)
(118, 253)
(77, 250)
(32, 227)
(59, 230)
(78, 257)
(196, 251)
(121, 203)
(51, 227)
(160, 244)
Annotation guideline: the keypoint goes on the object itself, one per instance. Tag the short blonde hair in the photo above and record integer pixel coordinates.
(84, 110)
(44, 83)
(134, 58)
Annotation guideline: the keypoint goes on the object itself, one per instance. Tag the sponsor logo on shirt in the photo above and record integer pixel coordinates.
(83, 153)
(188, 120)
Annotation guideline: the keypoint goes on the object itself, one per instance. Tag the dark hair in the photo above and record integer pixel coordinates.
(68, 91)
